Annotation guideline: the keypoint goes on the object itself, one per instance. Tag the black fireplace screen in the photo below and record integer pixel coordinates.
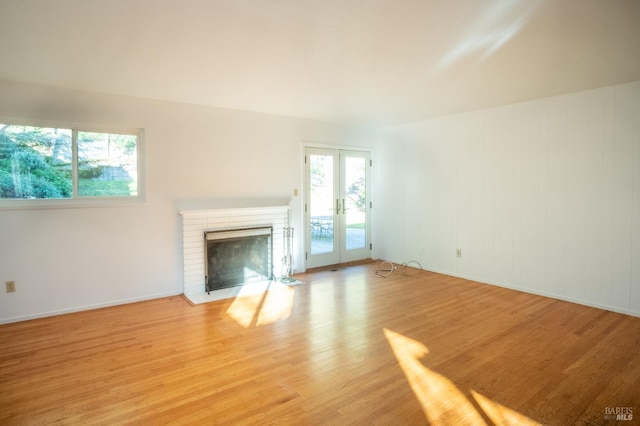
(238, 256)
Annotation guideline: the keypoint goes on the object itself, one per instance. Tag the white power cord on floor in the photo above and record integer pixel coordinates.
(385, 272)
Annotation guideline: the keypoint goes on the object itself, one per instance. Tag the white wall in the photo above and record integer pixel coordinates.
(542, 196)
(77, 258)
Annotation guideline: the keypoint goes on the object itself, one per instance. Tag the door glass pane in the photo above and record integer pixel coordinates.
(355, 202)
(321, 203)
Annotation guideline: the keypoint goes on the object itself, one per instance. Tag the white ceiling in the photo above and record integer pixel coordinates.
(369, 62)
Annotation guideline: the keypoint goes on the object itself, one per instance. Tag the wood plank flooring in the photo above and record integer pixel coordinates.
(346, 347)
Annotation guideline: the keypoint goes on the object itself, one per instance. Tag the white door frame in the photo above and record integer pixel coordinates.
(339, 253)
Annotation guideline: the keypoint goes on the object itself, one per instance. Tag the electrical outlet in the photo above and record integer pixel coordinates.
(458, 252)
(11, 286)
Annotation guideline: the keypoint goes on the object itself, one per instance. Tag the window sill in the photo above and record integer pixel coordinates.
(45, 204)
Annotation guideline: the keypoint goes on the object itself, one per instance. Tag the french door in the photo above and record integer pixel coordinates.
(337, 206)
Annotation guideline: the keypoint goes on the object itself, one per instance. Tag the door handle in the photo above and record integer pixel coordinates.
(344, 210)
(337, 206)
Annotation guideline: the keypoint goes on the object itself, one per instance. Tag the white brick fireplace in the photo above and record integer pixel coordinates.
(196, 222)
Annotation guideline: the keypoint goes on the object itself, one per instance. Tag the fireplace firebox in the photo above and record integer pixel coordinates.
(234, 257)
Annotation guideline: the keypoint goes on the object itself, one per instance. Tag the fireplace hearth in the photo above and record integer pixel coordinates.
(236, 257)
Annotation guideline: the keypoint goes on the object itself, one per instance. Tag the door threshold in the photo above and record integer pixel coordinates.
(340, 265)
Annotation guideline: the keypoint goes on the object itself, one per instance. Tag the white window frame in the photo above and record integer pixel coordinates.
(76, 200)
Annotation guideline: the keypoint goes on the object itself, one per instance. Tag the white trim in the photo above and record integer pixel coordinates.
(83, 127)
(238, 233)
(232, 212)
(311, 144)
(88, 307)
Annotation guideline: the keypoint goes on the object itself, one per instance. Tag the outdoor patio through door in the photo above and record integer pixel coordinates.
(337, 206)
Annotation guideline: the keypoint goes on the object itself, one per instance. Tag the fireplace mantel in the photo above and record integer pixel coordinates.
(196, 222)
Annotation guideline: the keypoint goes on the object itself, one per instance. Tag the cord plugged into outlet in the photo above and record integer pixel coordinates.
(388, 268)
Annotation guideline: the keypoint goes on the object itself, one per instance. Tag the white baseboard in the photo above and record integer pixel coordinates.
(542, 293)
(86, 308)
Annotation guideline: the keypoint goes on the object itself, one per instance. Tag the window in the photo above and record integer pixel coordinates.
(49, 163)
(107, 165)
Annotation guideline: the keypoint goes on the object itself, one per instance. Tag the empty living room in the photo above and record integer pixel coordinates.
(320, 212)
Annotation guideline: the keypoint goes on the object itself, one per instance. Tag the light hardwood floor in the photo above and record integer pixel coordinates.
(346, 347)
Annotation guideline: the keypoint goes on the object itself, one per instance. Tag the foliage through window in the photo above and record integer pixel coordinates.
(55, 163)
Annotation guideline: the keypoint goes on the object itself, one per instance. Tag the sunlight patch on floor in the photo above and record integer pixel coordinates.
(443, 403)
(254, 309)
(499, 414)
